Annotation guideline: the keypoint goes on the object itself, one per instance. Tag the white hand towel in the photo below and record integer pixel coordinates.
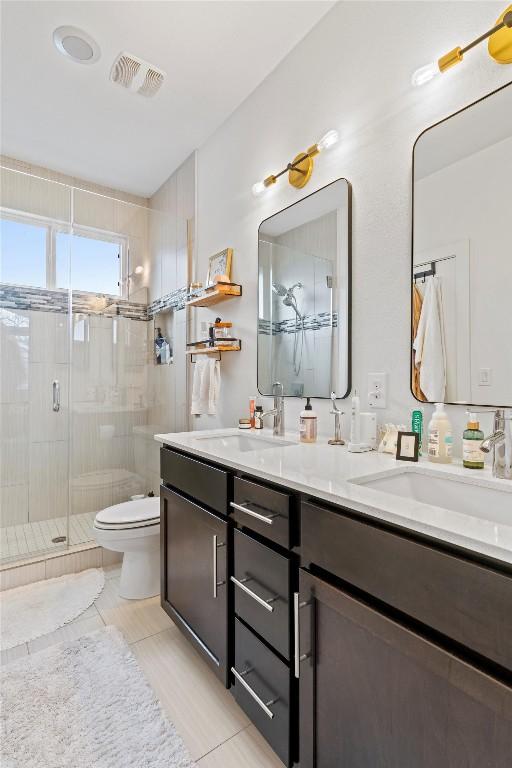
(214, 389)
(429, 344)
(205, 386)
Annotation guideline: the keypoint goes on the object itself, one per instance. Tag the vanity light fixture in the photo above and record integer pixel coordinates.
(499, 47)
(300, 169)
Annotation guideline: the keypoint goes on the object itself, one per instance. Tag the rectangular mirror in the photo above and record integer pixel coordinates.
(304, 295)
(461, 350)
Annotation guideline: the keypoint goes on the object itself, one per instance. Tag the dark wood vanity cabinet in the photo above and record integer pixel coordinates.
(194, 566)
(349, 643)
(374, 694)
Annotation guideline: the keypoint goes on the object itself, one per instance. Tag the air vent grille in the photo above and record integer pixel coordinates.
(152, 82)
(136, 75)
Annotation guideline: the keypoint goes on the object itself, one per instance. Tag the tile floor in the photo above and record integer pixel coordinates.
(216, 731)
(20, 541)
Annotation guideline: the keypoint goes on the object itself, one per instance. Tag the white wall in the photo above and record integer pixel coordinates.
(471, 200)
(352, 73)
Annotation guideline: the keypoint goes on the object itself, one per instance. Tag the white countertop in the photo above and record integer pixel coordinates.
(328, 472)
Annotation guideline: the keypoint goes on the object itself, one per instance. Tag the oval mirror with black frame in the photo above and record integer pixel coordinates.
(461, 338)
(304, 294)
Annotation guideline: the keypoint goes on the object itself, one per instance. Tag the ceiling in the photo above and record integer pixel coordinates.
(69, 117)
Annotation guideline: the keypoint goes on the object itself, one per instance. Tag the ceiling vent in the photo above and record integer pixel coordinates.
(136, 75)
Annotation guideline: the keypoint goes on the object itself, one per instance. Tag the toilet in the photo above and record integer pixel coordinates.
(133, 527)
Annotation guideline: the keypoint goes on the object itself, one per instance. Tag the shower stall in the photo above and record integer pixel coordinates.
(73, 361)
(296, 319)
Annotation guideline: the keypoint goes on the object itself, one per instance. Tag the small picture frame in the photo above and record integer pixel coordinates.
(408, 446)
(219, 265)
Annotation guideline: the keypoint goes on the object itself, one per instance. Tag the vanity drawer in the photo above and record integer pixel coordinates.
(262, 588)
(264, 691)
(202, 482)
(263, 510)
(465, 601)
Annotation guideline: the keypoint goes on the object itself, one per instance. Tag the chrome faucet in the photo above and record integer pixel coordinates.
(278, 410)
(500, 443)
(335, 411)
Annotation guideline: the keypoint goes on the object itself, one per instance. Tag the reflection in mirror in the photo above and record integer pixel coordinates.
(462, 257)
(304, 296)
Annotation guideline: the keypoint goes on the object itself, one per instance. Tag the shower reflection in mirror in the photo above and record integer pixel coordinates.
(304, 292)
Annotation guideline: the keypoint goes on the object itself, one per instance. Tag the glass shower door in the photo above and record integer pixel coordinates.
(34, 368)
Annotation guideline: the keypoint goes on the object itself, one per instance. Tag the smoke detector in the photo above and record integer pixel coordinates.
(136, 75)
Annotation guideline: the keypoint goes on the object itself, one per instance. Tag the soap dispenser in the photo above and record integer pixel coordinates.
(472, 455)
(440, 438)
(308, 423)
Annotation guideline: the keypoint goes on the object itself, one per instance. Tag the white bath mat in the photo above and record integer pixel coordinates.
(37, 609)
(85, 704)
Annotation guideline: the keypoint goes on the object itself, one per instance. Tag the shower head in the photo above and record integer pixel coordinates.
(279, 289)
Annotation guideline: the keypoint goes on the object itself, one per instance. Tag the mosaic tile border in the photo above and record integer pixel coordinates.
(44, 300)
(311, 323)
(175, 300)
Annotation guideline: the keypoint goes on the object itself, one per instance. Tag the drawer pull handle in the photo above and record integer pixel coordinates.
(297, 657)
(215, 582)
(265, 706)
(241, 584)
(268, 519)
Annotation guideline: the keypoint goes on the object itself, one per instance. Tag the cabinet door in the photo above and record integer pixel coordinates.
(194, 575)
(373, 694)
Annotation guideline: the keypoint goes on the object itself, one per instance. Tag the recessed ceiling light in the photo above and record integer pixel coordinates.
(76, 45)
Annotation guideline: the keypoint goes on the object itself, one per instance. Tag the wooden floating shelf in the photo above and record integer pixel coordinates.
(213, 350)
(216, 294)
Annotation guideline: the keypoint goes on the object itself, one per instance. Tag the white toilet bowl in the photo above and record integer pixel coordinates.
(133, 527)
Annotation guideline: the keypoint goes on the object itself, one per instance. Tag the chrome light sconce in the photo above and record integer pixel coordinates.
(300, 169)
(499, 47)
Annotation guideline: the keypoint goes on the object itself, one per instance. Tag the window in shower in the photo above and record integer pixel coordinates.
(37, 252)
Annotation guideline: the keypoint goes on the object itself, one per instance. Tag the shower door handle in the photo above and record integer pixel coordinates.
(56, 395)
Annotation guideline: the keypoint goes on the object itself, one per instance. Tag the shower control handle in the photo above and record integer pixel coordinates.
(56, 395)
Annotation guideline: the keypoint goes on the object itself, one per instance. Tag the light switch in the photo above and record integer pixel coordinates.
(485, 377)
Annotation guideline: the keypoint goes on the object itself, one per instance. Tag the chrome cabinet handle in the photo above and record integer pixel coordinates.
(215, 548)
(268, 519)
(297, 658)
(265, 706)
(264, 603)
(56, 395)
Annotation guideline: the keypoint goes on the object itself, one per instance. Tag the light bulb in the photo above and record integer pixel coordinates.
(426, 73)
(330, 138)
(139, 270)
(259, 188)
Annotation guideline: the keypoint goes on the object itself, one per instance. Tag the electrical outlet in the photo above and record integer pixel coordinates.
(377, 390)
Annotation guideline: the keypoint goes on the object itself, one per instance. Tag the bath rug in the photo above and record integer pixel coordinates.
(36, 609)
(85, 704)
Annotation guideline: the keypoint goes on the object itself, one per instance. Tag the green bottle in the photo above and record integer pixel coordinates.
(417, 425)
(472, 456)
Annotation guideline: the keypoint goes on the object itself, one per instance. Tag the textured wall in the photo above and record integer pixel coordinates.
(338, 77)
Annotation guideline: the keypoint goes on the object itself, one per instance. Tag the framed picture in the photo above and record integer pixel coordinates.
(408, 446)
(219, 265)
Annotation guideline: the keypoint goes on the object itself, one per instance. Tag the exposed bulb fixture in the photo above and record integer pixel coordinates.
(300, 169)
(76, 44)
(499, 47)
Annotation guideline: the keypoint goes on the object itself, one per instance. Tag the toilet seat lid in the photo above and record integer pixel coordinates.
(129, 512)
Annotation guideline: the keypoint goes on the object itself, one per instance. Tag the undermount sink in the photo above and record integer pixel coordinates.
(458, 495)
(242, 442)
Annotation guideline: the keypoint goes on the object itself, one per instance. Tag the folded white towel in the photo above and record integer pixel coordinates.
(205, 386)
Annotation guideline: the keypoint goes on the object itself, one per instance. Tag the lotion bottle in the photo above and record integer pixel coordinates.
(308, 424)
(440, 438)
(472, 456)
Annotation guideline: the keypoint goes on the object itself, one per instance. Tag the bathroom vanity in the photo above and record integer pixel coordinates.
(354, 626)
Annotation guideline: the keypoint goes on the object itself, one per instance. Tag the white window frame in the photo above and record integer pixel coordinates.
(54, 226)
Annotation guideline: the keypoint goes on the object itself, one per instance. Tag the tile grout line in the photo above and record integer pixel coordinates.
(223, 742)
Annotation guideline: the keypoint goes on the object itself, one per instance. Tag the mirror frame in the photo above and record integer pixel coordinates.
(431, 127)
(349, 292)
